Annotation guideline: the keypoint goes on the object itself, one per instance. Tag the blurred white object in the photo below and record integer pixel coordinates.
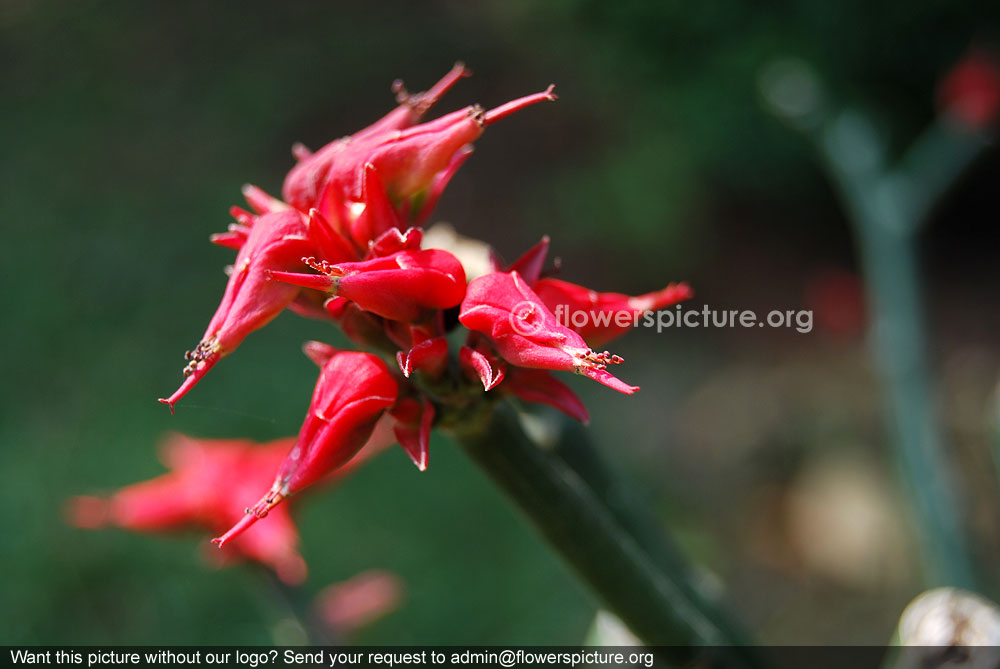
(473, 253)
(608, 630)
(844, 522)
(793, 91)
(952, 628)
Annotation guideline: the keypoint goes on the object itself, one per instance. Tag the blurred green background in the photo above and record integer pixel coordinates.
(126, 130)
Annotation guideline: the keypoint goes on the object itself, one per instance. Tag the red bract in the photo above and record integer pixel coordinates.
(479, 362)
(276, 241)
(392, 174)
(352, 392)
(406, 286)
(414, 419)
(601, 317)
(529, 265)
(525, 333)
(538, 385)
(409, 161)
(306, 181)
(429, 356)
(208, 483)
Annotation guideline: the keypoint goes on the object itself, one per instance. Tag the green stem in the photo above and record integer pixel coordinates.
(286, 602)
(575, 448)
(936, 160)
(886, 217)
(656, 600)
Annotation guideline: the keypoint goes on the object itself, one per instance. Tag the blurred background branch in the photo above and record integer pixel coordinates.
(886, 207)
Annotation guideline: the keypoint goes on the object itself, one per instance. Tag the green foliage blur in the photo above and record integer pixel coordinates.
(127, 129)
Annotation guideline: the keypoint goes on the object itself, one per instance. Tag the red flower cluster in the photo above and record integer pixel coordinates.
(207, 486)
(345, 244)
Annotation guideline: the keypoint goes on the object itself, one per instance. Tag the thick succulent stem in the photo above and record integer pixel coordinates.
(642, 579)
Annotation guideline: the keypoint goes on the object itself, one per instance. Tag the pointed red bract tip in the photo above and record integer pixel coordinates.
(242, 216)
(489, 371)
(429, 356)
(260, 201)
(607, 378)
(531, 263)
(230, 240)
(504, 110)
(237, 529)
(319, 352)
(672, 294)
(197, 372)
(320, 282)
(301, 152)
(413, 429)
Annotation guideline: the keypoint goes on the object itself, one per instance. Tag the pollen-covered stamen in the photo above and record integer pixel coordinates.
(322, 266)
(595, 360)
(199, 361)
(203, 352)
(253, 514)
(477, 114)
(504, 110)
(422, 102)
(272, 499)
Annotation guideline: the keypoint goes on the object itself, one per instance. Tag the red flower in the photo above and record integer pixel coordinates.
(601, 317)
(277, 240)
(971, 90)
(305, 182)
(207, 486)
(525, 333)
(406, 286)
(352, 392)
(409, 161)
(359, 601)
(479, 362)
(392, 174)
(353, 216)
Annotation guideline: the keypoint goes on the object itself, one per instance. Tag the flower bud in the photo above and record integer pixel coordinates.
(352, 392)
(525, 333)
(276, 241)
(608, 315)
(406, 286)
(206, 487)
